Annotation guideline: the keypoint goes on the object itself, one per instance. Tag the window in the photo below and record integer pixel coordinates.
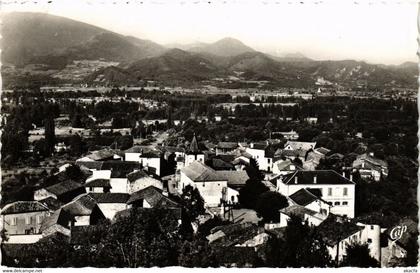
(28, 220)
(329, 191)
(371, 227)
(39, 219)
(14, 221)
(345, 203)
(345, 191)
(204, 184)
(268, 160)
(90, 188)
(369, 240)
(336, 203)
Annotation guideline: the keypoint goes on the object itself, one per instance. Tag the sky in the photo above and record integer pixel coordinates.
(373, 31)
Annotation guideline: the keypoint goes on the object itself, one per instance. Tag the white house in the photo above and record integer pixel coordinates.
(212, 186)
(332, 187)
(260, 152)
(370, 167)
(339, 233)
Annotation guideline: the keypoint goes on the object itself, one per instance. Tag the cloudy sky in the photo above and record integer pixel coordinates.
(374, 31)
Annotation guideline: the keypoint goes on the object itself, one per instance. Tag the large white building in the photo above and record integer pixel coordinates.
(261, 154)
(331, 186)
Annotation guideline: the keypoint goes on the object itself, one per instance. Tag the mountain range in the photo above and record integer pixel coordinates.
(55, 42)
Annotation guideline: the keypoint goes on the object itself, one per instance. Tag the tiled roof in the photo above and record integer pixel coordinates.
(332, 230)
(60, 217)
(133, 176)
(304, 197)
(82, 205)
(23, 206)
(227, 145)
(110, 197)
(51, 203)
(233, 234)
(120, 169)
(287, 165)
(323, 150)
(101, 154)
(98, 183)
(64, 187)
(93, 165)
(298, 211)
(322, 177)
(259, 145)
(198, 172)
(153, 196)
(300, 145)
(234, 178)
(220, 164)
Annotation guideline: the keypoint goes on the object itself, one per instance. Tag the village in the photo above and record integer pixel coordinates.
(253, 189)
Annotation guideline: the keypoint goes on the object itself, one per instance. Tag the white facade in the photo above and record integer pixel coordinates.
(110, 209)
(153, 162)
(341, 196)
(99, 174)
(264, 163)
(211, 191)
(119, 185)
(189, 158)
(369, 235)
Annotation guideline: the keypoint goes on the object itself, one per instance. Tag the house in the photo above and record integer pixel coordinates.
(110, 203)
(262, 153)
(338, 234)
(331, 186)
(84, 210)
(304, 214)
(64, 191)
(225, 147)
(101, 155)
(147, 156)
(313, 158)
(118, 172)
(59, 221)
(299, 145)
(22, 220)
(310, 198)
(284, 167)
(151, 197)
(291, 135)
(98, 185)
(370, 167)
(235, 179)
(308, 206)
(139, 179)
(212, 186)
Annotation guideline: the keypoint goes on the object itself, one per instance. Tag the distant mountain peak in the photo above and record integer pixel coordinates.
(226, 47)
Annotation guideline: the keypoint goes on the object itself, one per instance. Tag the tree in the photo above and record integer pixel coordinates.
(49, 134)
(76, 147)
(248, 195)
(142, 238)
(268, 205)
(313, 252)
(253, 170)
(197, 253)
(358, 255)
(193, 201)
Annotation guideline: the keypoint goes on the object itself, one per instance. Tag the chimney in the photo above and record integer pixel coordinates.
(296, 179)
(344, 173)
(371, 154)
(351, 177)
(314, 179)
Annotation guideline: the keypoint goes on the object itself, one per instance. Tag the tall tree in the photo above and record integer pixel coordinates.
(268, 205)
(358, 255)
